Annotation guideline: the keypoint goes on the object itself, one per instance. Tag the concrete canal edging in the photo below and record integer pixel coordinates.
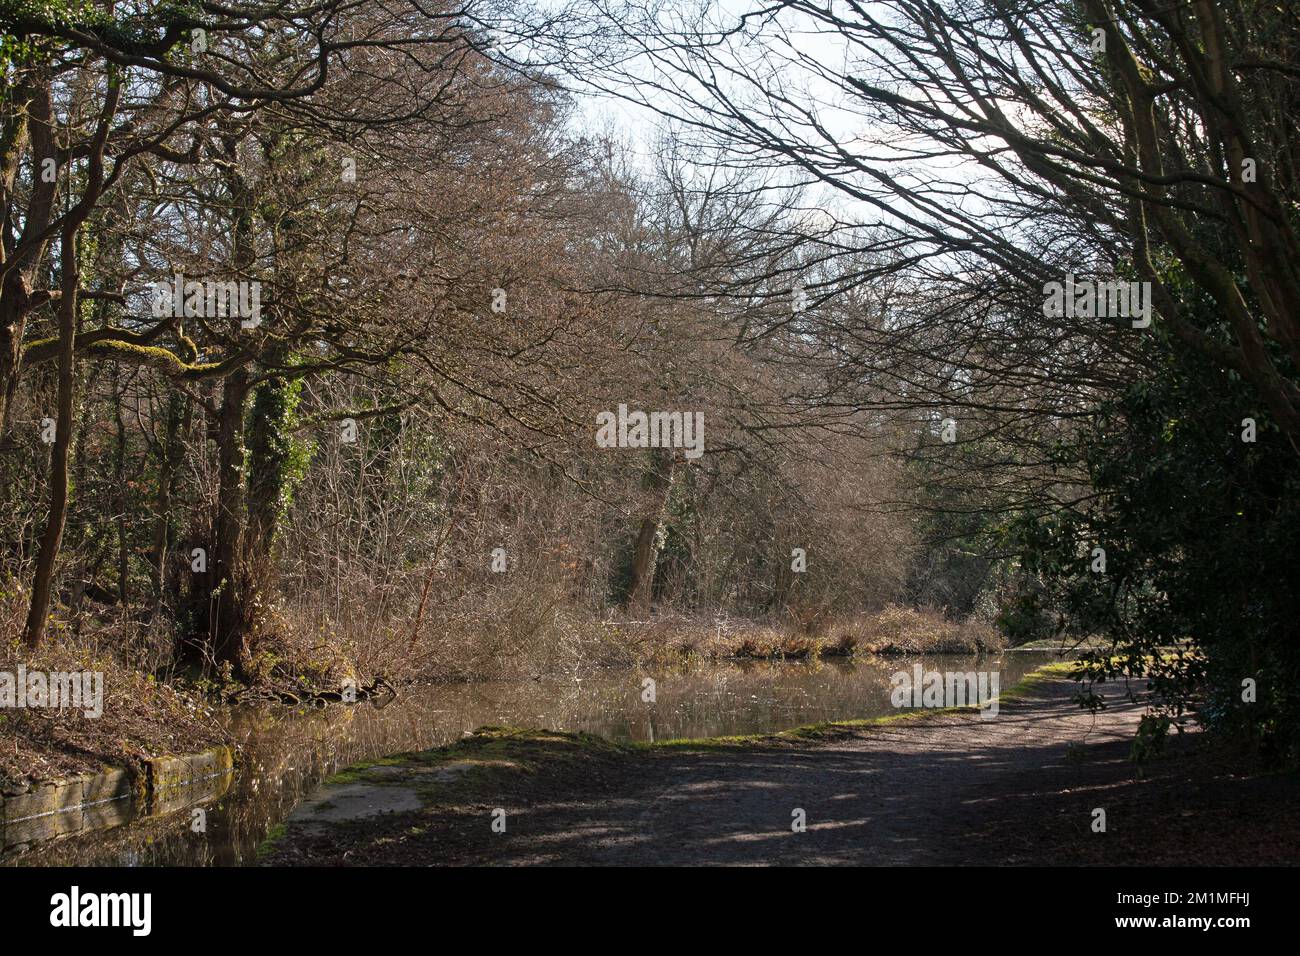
(114, 796)
(164, 773)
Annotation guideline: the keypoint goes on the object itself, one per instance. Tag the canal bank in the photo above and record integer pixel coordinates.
(88, 802)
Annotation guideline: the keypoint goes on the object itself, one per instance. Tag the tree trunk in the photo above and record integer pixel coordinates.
(14, 305)
(122, 503)
(52, 538)
(270, 447)
(645, 553)
(784, 585)
(227, 601)
(231, 599)
(32, 124)
(167, 471)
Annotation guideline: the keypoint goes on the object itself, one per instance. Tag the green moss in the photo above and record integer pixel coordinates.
(1026, 684)
(358, 772)
(273, 836)
(154, 355)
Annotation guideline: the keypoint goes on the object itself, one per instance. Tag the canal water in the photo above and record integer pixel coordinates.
(285, 753)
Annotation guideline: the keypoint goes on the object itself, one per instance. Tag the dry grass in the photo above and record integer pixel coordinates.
(894, 630)
(900, 630)
(141, 717)
(522, 639)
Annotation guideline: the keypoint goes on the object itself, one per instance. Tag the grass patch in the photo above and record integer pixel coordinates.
(357, 772)
(273, 836)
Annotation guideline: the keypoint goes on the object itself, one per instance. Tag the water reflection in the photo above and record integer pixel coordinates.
(285, 753)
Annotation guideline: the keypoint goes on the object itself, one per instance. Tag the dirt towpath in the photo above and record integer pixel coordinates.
(951, 788)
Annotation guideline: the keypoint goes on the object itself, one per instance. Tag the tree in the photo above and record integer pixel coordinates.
(184, 89)
(967, 156)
